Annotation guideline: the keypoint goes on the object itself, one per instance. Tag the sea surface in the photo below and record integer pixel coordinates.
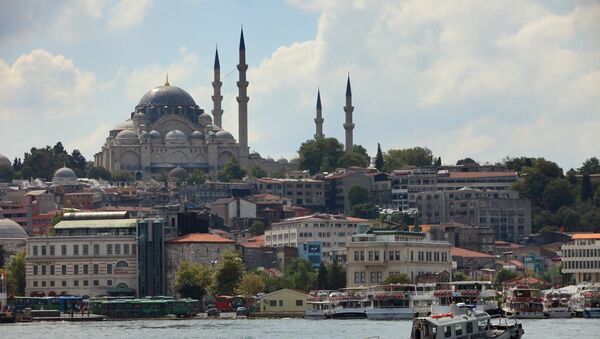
(270, 328)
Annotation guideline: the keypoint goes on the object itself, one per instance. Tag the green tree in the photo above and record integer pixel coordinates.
(398, 158)
(399, 278)
(590, 166)
(256, 171)
(299, 276)
(7, 173)
(228, 273)
(467, 161)
(336, 276)
(192, 280)
(123, 176)
(322, 280)
(366, 211)
(198, 177)
(569, 218)
(231, 171)
(16, 274)
(320, 155)
(438, 162)
(379, 158)
(353, 159)
(504, 275)
(257, 227)
(77, 163)
(95, 172)
(517, 164)
(460, 276)
(357, 194)
(587, 191)
(558, 193)
(250, 285)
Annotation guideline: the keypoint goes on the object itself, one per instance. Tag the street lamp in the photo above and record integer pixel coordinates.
(213, 263)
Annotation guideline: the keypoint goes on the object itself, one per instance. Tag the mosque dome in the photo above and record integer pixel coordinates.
(127, 134)
(282, 161)
(224, 136)
(127, 124)
(155, 134)
(204, 119)
(196, 134)
(269, 159)
(65, 173)
(254, 155)
(175, 135)
(11, 230)
(167, 95)
(178, 173)
(4, 161)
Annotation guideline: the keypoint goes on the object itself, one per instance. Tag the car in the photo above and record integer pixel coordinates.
(241, 311)
(212, 312)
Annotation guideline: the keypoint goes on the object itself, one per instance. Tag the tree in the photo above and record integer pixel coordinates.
(590, 166)
(504, 275)
(77, 163)
(250, 285)
(467, 161)
(569, 219)
(228, 273)
(6, 173)
(587, 192)
(558, 193)
(322, 280)
(438, 162)
(198, 177)
(56, 218)
(257, 227)
(517, 164)
(353, 159)
(256, 171)
(366, 211)
(16, 274)
(320, 155)
(17, 164)
(95, 172)
(379, 158)
(298, 275)
(231, 171)
(398, 158)
(123, 176)
(461, 276)
(357, 194)
(399, 278)
(336, 276)
(192, 280)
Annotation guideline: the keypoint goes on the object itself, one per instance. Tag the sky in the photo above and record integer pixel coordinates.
(479, 79)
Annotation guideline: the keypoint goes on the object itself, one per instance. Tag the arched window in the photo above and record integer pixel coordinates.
(122, 285)
(122, 264)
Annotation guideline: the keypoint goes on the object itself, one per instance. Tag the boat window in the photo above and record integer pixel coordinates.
(447, 332)
(433, 331)
(483, 324)
(458, 329)
(469, 327)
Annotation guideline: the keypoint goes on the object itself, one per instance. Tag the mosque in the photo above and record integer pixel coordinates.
(169, 131)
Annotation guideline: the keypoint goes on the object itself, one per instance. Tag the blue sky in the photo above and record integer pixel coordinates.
(481, 79)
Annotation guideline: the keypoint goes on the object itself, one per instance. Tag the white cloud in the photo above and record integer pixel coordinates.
(42, 85)
(127, 13)
(90, 143)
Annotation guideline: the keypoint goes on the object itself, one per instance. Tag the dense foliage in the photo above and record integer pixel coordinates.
(416, 156)
(192, 280)
(231, 171)
(327, 154)
(15, 267)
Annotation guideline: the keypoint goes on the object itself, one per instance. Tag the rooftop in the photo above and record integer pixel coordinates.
(322, 217)
(98, 223)
(202, 238)
(461, 252)
(578, 236)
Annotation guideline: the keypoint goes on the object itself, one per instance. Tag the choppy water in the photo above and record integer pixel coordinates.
(270, 328)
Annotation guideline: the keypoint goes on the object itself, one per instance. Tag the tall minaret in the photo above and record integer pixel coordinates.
(217, 97)
(319, 119)
(242, 100)
(348, 125)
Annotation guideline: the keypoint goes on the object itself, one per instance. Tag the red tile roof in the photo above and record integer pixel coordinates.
(585, 236)
(202, 238)
(506, 244)
(461, 252)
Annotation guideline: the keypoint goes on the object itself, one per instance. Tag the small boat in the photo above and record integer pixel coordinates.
(465, 323)
(556, 304)
(352, 303)
(321, 305)
(480, 294)
(524, 302)
(586, 301)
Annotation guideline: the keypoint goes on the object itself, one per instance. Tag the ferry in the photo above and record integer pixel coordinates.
(465, 323)
(422, 299)
(321, 304)
(556, 304)
(391, 302)
(524, 302)
(586, 302)
(352, 303)
(480, 294)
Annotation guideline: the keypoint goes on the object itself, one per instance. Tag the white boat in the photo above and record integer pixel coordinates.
(352, 303)
(480, 294)
(523, 302)
(586, 301)
(391, 302)
(321, 304)
(556, 303)
(465, 323)
(422, 299)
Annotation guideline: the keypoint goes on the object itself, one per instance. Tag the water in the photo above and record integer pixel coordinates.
(270, 328)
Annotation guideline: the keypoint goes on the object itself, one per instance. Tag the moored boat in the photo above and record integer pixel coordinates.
(524, 302)
(352, 303)
(321, 304)
(556, 304)
(480, 294)
(391, 302)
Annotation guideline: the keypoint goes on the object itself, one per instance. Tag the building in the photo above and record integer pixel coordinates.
(256, 255)
(338, 185)
(406, 183)
(272, 208)
(195, 248)
(208, 192)
(284, 302)
(82, 200)
(503, 211)
(23, 206)
(233, 209)
(581, 257)
(311, 252)
(96, 254)
(304, 192)
(485, 181)
(332, 231)
(470, 262)
(377, 254)
(479, 239)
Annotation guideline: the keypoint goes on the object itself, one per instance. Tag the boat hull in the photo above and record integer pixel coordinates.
(592, 313)
(390, 313)
(349, 313)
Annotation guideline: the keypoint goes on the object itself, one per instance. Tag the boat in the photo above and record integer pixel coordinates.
(524, 302)
(480, 294)
(352, 303)
(422, 299)
(391, 302)
(586, 301)
(465, 322)
(321, 305)
(556, 303)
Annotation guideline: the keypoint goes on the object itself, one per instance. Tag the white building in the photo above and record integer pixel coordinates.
(333, 231)
(581, 257)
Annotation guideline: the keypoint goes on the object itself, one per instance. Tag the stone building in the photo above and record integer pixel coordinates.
(195, 248)
(581, 258)
(479, 239)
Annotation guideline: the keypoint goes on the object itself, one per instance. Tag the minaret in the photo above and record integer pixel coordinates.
(242, 100)
(348, 125)
(319, 119)
(217, 112)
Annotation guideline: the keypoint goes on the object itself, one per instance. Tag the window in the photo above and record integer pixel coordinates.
(356, 277)
(43, 250)
(35, 270)
(75, 269)
(52, 283)
(63, 249)
(75, 282)
(108, 268)
(447, 332)
(35, 284)
(397, 254)
(63, 283)
(75, 249)
(356, 255)
(109, 283)
(122, 264)
(43, 283)
(126, 249)
(109, 249)
(376, 255)
(391, 255)
(35, 251)
(43, 269)
(96, 283)
(458, 329)
(117, 249)
(85, 269)
(272, 303)
(133, 248)
(370, 255)
(52, 270)
(299, 302)
(280, 303)
(86, 249)
(96, 268)
(469, 327)
(52, 250)
(63, 270)
(96, 249)
(85, 283)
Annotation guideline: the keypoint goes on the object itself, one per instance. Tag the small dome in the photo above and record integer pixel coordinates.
(127, 124)
(224, 136)
(11, 230)
(155, 134)
(4, 161)
(178, 173)
(282, 161)
(126, 134)
(175, 135)
(204, 119)
(269, 159)
(65, 173)
(196, 134)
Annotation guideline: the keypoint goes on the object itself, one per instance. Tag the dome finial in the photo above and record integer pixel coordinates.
(167, 81)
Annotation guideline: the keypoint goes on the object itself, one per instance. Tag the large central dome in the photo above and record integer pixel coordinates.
(167, 95)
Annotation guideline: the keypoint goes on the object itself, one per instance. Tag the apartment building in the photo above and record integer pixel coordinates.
(581, 257)
(301, 191)
(332, 231)
(375, 255)
(204, 194)
(486, 181)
